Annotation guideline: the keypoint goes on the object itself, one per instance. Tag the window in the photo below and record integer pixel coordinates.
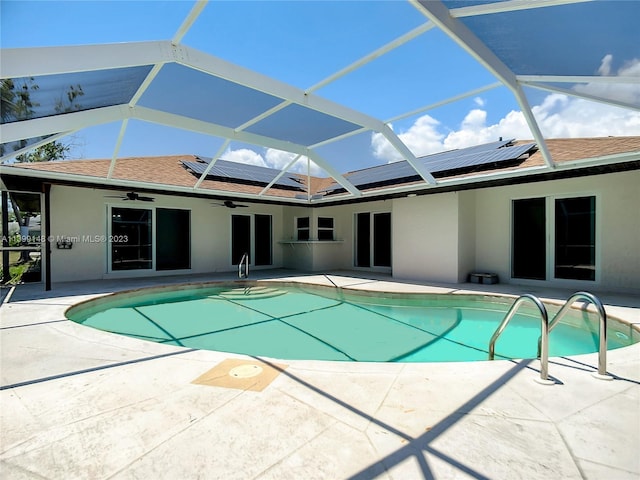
(131, 247)
(325, 228)
(302, 228)
(571, 252)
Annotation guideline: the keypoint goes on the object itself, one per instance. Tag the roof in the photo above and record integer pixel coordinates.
(173, 173)
(310, 105)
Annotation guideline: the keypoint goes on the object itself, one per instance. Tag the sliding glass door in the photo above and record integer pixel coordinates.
(529, 251)
(150, 238)
(131, 247)
(575, 238)
(372, 240)
(554, 236)
(252, 234)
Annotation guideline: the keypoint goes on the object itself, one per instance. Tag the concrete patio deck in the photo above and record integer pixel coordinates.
(78, 403)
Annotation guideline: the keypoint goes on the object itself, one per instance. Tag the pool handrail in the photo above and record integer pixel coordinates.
(544, 325)
(602, 334)
(245, 260)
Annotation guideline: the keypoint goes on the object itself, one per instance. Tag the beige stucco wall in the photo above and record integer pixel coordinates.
(425, 237)
(466, 234)
(77, 212)
(82, 213)
(440, 237)
(617, 226)
(322, 256)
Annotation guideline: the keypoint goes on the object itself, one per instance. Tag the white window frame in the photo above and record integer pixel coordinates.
(299, 229)
(252, 239)
(140, 271)
(109, 256)
(331, 229)
(550, 221)
(354, 249)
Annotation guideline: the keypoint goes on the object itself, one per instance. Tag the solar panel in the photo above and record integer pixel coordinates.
(439, 163)
(476, 158)
(226, 170)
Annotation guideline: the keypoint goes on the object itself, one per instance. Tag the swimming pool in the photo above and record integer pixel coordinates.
(307, 322)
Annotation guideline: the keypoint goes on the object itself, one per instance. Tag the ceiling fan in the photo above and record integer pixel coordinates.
(230, 204)
(131, 196)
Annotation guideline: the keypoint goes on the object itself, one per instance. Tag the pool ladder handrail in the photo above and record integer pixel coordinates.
(544, 324)
(602, 321)
(546, 327)
(245, 260)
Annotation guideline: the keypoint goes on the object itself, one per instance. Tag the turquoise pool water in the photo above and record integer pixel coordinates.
(288, 322)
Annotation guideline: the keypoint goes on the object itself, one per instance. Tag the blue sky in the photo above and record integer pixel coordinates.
(301, 43)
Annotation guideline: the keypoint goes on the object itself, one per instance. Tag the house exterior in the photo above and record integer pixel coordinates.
(576, 226)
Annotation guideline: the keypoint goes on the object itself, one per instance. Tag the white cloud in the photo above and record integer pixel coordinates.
(244, 155)
(279, 159)
(624, 92)
(605, 65)
(558, 116)
(480, 102)
(423, 136)
(272, 158)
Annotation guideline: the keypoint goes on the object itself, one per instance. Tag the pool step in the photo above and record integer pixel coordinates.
(251, 293)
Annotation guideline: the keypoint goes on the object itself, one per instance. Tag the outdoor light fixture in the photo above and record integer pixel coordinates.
(64, 244)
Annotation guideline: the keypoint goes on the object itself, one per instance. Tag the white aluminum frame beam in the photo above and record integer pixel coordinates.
(577, 79)
(37, 144)
(337, 176)
(136, 185)
(33, 62)
(438, 13)
(242, 76)
(116, 150)
(392, 45)
(393, 139)
(206, 128)
(179, 35)
(442, 103)
(188, 22)
(213, 161)
(281, 174)
(163, 118)
(38, 127)
(38, 61)
(340, 137)
(586, 96)
(508, 6)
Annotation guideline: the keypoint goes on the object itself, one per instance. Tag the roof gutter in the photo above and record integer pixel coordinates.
(591, 166)
(110, 183)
